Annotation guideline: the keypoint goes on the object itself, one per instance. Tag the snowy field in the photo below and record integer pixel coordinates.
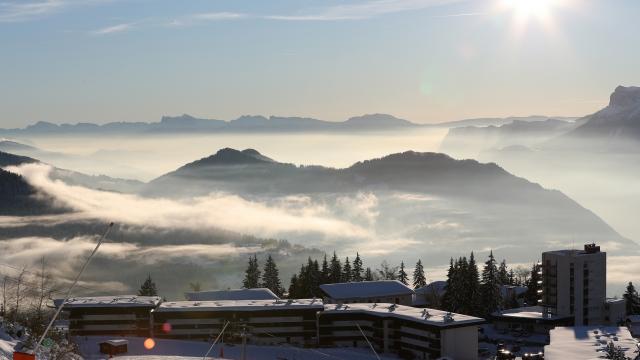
(181, 350)
(7, 343)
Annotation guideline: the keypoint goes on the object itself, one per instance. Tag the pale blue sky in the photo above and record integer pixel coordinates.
(424, 60)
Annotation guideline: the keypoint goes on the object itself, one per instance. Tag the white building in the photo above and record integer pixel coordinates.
(232, 294)
(575, 284)
(382, 291)
(588, 342)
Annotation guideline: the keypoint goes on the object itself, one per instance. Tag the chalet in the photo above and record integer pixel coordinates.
(262, 321)
(232, 294)
(407, 331)
(126, 315)
(382, 291)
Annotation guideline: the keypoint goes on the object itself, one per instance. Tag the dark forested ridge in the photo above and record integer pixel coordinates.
(17, 197)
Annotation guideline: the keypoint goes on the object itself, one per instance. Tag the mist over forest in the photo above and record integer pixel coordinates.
(192, 207)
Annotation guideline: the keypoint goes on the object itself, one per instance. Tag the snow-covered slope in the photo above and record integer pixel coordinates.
(7, 343)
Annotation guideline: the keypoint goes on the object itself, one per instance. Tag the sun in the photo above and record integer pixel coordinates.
(526, 12)
(531, 8)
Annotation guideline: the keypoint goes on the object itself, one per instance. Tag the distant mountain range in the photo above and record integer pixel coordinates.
(618, 122)
(190, 124)
(248, 171)
(616, 127)
(485, 198)
(251, 124)
(472, 140)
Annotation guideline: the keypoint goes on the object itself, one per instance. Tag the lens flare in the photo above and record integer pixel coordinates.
(166, 328)
(149, 344)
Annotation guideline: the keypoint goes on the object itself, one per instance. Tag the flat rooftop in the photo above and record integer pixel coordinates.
(239, 305)
(109, 301)
(366, 289)
(528, 312)
(232, 294)
(423, 315)
(587, 342)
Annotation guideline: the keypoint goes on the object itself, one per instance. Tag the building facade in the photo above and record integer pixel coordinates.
(266, 322)
(407, 331)
(126, 315)
(575, 283)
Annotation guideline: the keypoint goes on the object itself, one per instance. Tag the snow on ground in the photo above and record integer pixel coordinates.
(182, 350)
(7, 343)
(588, 342)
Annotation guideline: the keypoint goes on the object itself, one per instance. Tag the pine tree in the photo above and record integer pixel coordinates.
(503, 273)
(148, 288)
(271, 278)
(294, 292)
(402, 274)
(632, 299)
(325, 272)
(491, 300)
(512, 277)
(335, 270)
(419, 279)
(357, 271)
(448, 299)
(534, 283)
(346, 270)
(472, 288)
(368, 274)
(315, 278)
(252, 274)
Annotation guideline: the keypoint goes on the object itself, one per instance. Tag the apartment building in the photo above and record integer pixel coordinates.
(575, 284)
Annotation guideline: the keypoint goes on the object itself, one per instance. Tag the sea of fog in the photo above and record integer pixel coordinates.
(605, 186)
(146, 157)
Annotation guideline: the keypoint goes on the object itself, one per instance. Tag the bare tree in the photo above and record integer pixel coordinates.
(522, 275)
(4, 296)
(43, 289)
(386, 271)
(19, 292)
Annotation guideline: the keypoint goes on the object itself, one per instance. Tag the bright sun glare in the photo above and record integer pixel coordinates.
(531, 8)
(526, 11)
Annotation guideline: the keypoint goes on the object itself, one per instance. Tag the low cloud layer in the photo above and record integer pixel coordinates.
(217, 210)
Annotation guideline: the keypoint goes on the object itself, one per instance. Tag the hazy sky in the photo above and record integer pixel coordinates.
(424, 60)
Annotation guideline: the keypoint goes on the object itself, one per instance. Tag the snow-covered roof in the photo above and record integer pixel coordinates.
(423, 315)
(232, 294)
(117, 342)
(614, 300)
(587, 342)
(110, 301)
(435, 287)
(528, 312)
(366, 289)
(239, 305)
